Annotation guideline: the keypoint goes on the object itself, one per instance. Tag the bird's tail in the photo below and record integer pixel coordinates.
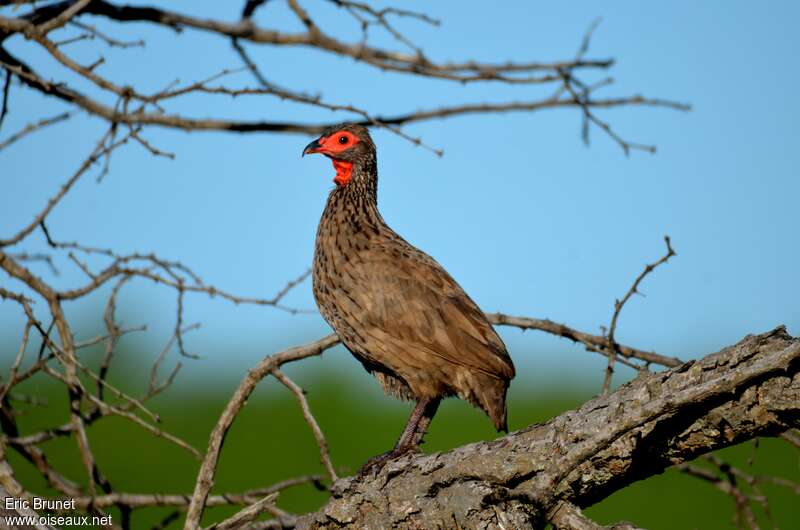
(492, 399)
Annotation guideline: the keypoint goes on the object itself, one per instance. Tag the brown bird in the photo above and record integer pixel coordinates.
(393, 306)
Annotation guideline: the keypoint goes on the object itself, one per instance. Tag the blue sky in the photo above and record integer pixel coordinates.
(528, 220)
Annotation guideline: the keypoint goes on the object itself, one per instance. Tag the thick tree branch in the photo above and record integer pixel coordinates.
(582, 456)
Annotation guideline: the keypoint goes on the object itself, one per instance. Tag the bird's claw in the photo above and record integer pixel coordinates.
(377, 462)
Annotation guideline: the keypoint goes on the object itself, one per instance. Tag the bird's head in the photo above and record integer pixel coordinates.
(347, 145)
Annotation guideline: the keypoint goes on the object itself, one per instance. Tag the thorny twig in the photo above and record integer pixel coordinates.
(619, 304)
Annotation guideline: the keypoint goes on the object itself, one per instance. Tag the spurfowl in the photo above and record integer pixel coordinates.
(394, 307)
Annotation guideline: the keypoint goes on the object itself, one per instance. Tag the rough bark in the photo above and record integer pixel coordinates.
(548, 471)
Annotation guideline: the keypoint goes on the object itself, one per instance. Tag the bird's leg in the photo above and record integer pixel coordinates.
(424, 421)
(412, 435)
(420, 418)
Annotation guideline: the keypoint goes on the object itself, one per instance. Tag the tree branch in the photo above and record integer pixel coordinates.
(582, 456)
(567, 516)
(205, 477)
(573, 93)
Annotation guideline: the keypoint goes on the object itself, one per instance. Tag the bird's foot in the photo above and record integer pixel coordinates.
(376, 463)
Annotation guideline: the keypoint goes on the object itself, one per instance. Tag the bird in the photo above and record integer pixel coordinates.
(395, 308)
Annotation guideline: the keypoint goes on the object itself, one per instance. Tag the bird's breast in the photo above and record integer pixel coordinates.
(345, 240)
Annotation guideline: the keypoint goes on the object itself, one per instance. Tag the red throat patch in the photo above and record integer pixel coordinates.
(344, 172)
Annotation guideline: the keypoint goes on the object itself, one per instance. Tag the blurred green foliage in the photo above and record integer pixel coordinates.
(270, 441)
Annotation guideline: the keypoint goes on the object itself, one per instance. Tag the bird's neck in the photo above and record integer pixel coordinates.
(359, 188)
(355, 201)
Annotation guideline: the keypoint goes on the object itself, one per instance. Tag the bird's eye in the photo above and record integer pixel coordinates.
(343, 139)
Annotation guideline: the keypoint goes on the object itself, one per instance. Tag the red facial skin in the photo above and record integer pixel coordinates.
(331, 146)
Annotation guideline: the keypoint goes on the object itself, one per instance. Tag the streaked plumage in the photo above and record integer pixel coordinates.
(394, 307)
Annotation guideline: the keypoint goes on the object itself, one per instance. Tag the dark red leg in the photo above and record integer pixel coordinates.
(425, 420)
(412, 435)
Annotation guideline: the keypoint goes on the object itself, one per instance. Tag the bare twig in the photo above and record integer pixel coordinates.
(205, 477)
(143, 500)
(792, 436)
(567, 516)
(95, 154)
(154, 387)
(105, 408)
(298, 392)
(12, 376)
(112, 42)
(71, 40)
(619, 304)
(109, 318)
(72, 9)
(741, 499)
(250, 8)
(246, 515)
(4, 106)
(591, 342)
(46, 258)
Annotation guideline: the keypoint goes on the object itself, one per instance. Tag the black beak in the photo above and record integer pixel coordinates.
(312, 148)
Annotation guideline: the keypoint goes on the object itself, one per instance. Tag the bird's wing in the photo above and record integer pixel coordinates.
(410, 302)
